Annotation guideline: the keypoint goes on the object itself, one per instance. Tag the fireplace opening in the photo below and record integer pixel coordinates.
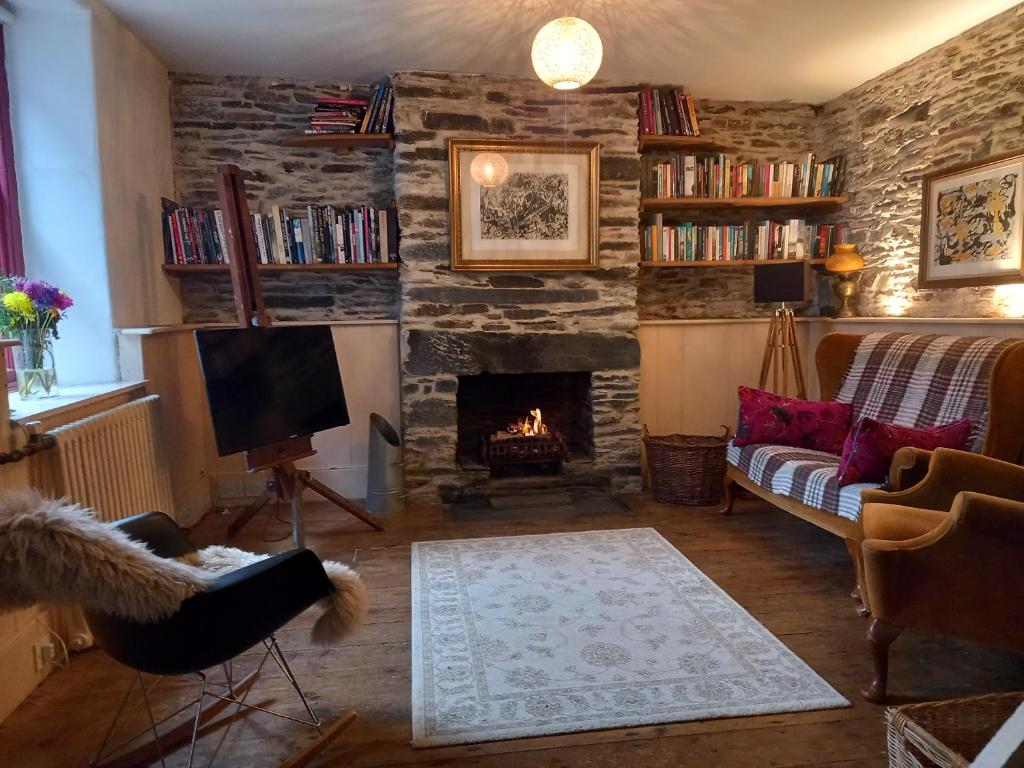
(524, 423)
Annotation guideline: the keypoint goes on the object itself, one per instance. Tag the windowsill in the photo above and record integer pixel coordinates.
(73, 402)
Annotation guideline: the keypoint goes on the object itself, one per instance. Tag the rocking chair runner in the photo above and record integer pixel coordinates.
(240, 610)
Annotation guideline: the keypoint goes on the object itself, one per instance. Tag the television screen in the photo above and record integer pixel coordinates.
(266, 385)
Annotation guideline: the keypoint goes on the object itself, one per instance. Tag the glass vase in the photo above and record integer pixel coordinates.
(33, 365)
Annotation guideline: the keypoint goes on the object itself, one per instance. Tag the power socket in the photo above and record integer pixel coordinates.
(44, 655)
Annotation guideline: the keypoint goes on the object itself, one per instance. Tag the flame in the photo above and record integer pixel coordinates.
(530, 427)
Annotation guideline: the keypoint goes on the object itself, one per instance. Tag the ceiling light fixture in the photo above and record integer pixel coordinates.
(567, 53)
(489, 169)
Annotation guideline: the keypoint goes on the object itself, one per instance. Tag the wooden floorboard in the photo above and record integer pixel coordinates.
(791, 576)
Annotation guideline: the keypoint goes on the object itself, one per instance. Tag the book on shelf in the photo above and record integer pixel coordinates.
(370, 114)
(749, 241)
(718, 175)
(320, 234)
(667, 112)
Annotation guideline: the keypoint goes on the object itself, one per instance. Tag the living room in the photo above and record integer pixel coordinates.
(463, 362)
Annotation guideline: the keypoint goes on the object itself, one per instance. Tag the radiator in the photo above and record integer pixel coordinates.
(113, 462)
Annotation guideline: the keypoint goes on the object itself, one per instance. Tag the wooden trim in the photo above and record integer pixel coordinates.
(343, 143)
(649, 142)
(727, 263)
(674, 204)
(189, 269)
(924, 235)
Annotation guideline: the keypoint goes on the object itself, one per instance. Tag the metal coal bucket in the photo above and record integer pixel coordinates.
(385, 481)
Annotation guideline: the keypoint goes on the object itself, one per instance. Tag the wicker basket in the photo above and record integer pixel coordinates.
(947, 734)
(686, 469)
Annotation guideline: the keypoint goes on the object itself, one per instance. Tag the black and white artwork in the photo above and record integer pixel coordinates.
(528, 206)
(523, 205)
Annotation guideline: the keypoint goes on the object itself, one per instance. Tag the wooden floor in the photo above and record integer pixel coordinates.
(791, 576)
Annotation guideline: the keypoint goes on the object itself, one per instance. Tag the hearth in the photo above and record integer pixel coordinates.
(524, 423)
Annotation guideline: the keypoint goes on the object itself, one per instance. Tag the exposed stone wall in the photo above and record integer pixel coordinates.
(245, 121)
(463, 323)
(748, 130)
(961, 101)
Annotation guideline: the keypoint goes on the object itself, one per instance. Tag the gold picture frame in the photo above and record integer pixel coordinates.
(543, 215)
(972, 224)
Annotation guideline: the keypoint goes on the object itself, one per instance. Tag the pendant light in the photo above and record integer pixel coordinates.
(489, 169)
(567, 53)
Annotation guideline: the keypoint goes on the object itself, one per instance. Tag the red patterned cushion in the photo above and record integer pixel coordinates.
(871, 444)
(769, 418)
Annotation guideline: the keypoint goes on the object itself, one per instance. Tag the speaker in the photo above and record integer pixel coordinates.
(774, 283)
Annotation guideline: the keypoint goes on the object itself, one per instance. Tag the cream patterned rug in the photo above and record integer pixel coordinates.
(533, 635)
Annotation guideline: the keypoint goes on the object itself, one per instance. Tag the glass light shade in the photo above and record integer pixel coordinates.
(567, 53)
(844, 259)
(489, 169)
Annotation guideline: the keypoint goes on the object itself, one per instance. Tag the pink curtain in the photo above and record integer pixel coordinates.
(12, 259)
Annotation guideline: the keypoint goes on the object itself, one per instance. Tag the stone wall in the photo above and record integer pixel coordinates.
(749, 131)
(245, 121)
(464, 323)
(961, 101)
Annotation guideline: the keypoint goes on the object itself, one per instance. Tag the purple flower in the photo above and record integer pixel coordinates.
(44, 295)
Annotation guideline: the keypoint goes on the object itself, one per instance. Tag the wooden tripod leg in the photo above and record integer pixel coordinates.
(767, 360)
(798, 367)
(247, 514)
(336, 498)
(179, 734)
(329, 734)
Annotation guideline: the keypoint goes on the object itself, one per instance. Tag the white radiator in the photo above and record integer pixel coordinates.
(113, 461)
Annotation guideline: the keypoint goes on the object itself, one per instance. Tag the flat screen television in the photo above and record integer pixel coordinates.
(266, 385)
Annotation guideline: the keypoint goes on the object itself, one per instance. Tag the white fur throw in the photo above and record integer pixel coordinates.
(343, 611)
(52, 552)
(58, 553)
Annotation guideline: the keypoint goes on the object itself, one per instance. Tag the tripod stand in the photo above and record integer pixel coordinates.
(782, 353)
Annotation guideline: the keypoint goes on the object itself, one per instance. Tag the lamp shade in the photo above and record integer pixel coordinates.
(567, 53)
(844, 259)
(489, 169)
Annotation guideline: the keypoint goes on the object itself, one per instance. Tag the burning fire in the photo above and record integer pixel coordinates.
(530, 427)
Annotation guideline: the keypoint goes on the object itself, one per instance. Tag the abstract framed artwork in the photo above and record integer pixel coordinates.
(972, 224)
(523, 205)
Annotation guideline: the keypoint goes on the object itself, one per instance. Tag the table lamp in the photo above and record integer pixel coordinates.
(845, 263)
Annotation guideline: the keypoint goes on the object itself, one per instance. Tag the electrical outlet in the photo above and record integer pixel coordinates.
(44, 653)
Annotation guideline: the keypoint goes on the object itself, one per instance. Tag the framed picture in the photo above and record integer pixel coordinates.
(523, 205)
(972, 224)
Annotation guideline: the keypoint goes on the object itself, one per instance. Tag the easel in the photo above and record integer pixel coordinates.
(781, 352)
(279, 458)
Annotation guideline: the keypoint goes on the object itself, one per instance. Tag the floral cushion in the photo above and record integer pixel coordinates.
(769, 418)
(871, 444)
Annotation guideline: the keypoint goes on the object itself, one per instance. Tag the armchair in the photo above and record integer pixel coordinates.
(944, 556)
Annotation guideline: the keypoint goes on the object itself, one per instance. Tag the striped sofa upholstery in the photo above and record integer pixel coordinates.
(907, 379)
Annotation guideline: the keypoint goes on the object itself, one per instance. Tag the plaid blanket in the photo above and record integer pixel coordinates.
(923, 380)
(801, 474)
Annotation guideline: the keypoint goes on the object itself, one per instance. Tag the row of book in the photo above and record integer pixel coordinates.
(325, 234)
(750, 241)
(722, 176)
(668, 112)
(354, 114)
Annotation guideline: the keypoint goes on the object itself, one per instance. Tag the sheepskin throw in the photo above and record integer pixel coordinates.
(342, 612)
(58, 553)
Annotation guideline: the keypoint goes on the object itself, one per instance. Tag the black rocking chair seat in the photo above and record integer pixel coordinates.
(239, 610)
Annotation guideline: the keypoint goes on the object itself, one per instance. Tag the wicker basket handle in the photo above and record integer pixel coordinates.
(725, 433)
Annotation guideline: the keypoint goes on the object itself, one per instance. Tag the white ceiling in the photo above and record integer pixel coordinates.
(804, 50)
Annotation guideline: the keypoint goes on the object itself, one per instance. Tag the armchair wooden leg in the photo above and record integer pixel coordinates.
(881, 635)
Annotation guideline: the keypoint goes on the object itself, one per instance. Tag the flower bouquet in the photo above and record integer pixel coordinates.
(29, 313)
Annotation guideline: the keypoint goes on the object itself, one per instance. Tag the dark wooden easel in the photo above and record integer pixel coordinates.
(279, 458)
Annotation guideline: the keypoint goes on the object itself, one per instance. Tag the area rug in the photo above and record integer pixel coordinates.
(532, 635)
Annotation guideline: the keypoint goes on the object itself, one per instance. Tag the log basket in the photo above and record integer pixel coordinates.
(686, 469)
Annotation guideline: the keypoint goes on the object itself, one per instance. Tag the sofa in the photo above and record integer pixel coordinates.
(914, 380)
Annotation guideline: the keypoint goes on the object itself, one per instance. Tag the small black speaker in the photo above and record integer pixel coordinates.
(774, 283)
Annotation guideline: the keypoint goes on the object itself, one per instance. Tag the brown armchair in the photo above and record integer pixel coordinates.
(945, 556)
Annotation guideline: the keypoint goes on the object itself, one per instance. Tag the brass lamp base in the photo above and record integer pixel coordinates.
(845, 285)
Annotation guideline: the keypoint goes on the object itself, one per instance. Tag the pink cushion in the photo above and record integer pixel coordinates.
(871, 444)
(769, 418)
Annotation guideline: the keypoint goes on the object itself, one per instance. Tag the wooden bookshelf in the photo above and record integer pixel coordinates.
(676, 204)
(191, 269)
(733, 263)
(649, 142)
(343, 143)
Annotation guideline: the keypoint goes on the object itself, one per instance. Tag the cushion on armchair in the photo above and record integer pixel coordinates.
(871, 444)
(766, 417)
